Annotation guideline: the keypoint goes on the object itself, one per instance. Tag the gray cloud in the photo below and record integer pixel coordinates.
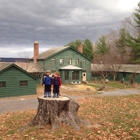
(56, 23)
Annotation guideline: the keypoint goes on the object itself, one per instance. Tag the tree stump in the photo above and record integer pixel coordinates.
(55, 111)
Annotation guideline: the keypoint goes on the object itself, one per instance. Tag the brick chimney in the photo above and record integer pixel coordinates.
(80, 48)
(36, 51)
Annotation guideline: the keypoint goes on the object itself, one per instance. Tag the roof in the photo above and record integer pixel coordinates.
(4, 66)
(56, 50)
(130, 68)
(30, 67)
(123, 68)
(70, 67)
(50, 52)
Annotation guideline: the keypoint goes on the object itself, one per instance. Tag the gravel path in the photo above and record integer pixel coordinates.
(18, 104)
(119, 92)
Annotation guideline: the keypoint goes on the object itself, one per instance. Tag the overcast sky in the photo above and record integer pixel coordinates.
(55, 23)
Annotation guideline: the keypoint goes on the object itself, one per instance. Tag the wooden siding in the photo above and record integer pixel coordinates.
(12, 76)
(67, 54)
(126, 76)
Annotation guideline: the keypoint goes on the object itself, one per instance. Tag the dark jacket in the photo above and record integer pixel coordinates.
(47, 80)
(56, 81)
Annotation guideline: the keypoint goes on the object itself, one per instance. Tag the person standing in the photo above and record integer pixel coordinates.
(47, 82)
(56, 82)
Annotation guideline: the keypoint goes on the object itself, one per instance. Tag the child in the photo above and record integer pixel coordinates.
(56, 82)
(47, 81)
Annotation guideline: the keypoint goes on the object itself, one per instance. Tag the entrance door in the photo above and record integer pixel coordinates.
(84, 76)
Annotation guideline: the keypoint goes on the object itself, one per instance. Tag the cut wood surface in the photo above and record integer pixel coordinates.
(55, 111)
(61, 98)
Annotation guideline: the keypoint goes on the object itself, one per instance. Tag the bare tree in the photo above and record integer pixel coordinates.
(31, 67)
(101, 67)
(115, 64)
(23, 60)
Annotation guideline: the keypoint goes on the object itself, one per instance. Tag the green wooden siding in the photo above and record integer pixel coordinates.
(12, 77)
(66, 55)
(126, 76)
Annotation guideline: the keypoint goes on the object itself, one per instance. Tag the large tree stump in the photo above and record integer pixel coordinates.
(55, 111)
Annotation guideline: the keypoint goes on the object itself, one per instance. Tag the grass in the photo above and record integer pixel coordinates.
(119, 117)
(111, 85)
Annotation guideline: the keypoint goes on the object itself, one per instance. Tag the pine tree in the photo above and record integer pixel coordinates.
(121, 44)
(134, 42)
(101, 46)
(87, 47)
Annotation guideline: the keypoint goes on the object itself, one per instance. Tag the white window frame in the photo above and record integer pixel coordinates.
(61, 61)
(70, 61)
(77, 61)
(53, 61)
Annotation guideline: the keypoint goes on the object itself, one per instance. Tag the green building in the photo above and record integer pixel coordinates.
(14, 81)
(74, 67)
(125, 71)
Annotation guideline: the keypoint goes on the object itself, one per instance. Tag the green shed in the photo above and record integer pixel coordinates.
(73, 65)
(14, 81)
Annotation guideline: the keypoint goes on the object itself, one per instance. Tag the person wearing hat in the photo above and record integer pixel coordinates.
(47, 81)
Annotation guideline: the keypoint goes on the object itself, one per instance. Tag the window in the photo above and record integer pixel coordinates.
(84, 62)
(69, 61)
(124, 75)
(2, 84)
(95, 75)
(53, 61)
(23, 83)
(66, 75)
(75, 75)
(77, 62)
(61, 61)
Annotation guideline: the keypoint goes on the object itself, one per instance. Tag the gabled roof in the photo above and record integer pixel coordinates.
(30, 67)
(123, 68)
(4, 66)
(130, 68)
(53, 51)
(70, 67)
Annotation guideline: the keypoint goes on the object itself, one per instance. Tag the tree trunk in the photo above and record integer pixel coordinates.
(114, 77)
(55, 111)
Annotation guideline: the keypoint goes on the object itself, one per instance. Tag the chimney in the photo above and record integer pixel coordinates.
(80, 48)
(36, 51)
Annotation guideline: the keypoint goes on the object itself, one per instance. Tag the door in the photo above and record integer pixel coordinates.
(84, 76)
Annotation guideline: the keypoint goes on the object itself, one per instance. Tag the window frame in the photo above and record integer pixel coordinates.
(23, 83)
(75, 75)
(61, 62)
(53, 60)
(66, 75)
(70, 61)
(84, 61)
(2, 84)
(77, 61)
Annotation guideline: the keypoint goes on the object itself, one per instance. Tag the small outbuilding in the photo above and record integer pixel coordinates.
(15, 81)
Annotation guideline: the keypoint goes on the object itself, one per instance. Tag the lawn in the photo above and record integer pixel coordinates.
(111, 85)
(119, 118)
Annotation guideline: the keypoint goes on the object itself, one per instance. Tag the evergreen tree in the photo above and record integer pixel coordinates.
(101, 46)
(134, 42)
(121, 44)
(75, 44)
(87, 47)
